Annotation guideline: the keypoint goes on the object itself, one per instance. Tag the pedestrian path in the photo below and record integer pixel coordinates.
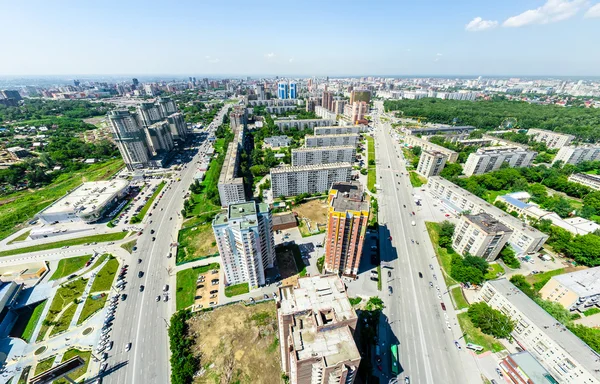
(86, 292)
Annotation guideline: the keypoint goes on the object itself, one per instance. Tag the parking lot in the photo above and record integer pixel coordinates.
(207, 289)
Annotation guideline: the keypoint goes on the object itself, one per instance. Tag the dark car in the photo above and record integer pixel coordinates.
(420, 275)
(390, 289)
(443, 306)
(123, 297)
(141, 288)
(152, 231)
(154, 238)
(140, 274)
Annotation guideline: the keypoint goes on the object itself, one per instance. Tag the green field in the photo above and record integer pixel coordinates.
(67, 267)
(105, 276)
(90, 307)
(490, 196)
(67, 243)
(44, 365)
(102, 283)
(493, 271)
(238, 289)
(539, 280)
(128, 246)
(140, 216)
(475, 336)
(64, 296)
(186, 284)
(63, 322)
(33, 321)
(196, 243)
(458, 298)
(85, 355)
(372, 175)
(20, 207)
(417, 180)
(444, 258)
(21, 237)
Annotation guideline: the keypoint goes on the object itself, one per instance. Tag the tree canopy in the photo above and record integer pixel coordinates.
(490, 321)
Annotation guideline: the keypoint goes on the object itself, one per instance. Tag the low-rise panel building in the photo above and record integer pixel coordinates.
(285, 124)
(480, 235)
(338, 130)
(323, 155)
(563, 354)
(331, 140)
(524, 239)
(490, 159)
(414, 141)
(575, 290)
(576, 155)
(553, 140)
(294, 180)
(591, 181)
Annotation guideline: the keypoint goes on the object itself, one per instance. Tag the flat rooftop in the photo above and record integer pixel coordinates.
(585, 282)
(573, 345)
(500, 149)
(88, 197)
(349, 197)
(487, 223)
(241, 211)
(228, 172)
(299, 168)
(333, 346)
(531, 367)
(355, 135)
(317, 293)
(284, 218)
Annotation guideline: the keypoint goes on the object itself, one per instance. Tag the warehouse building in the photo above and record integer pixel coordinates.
(88, 202)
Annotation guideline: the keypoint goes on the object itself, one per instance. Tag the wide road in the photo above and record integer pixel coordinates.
(140, 319)
(416, 320)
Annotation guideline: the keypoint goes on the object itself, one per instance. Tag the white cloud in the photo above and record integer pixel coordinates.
(291, 60)
(478, 24)
(212, 60)
(439, 54)
(594, 11)
(269, 55)
(551, 12)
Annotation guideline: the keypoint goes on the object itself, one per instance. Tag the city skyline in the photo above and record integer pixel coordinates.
(537, 38)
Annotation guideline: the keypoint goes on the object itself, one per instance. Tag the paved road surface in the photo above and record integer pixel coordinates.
(140, 319)
(415, 318)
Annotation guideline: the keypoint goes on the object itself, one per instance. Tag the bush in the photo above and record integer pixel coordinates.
(509, 258)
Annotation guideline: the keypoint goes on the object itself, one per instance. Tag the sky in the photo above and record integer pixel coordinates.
(302, 38)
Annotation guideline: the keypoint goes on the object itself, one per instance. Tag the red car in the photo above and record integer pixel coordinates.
(390, 238)
(447, 215)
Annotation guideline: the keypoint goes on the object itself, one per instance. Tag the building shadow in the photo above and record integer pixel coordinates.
(107, 372)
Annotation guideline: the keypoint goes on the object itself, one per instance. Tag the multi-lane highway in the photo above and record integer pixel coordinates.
(415, 320)
(140, 319)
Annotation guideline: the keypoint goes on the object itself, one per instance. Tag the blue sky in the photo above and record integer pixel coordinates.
(308, 37)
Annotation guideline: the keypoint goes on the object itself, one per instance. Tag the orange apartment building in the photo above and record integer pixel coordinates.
(348, 216)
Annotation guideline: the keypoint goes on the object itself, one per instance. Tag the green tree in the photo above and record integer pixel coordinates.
(509, 258)
(490, 321)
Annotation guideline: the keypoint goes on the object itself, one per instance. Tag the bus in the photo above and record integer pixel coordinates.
(395, 359)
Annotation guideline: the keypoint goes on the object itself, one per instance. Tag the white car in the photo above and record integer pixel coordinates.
(128, 347)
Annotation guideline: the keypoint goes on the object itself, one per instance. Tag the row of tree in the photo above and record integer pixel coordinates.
(489, 114)
(183, 362)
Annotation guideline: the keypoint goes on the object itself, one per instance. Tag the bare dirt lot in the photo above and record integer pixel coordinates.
(238, 344)
(314, 210)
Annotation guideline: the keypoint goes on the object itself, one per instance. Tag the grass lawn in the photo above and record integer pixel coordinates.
(410, 157)
(21, 237)
(57, 244)
(63, 297)
(105, 276)
(201, 205)
(459, 300)
(85, 355)
(238, 289)
(444, 258)
(493, 271)
(44, 365)
(539, 280)
(68, 266)
(140, 216)
(128, 246)
(19, 207)
(372, 175)
(33, 320)
(490, 196)
(417, 180)
(196, 243)
(64, 320)
(90, 307)
(379, 282)
(97, 263)
(591, 311)
(186, 284)
(475, 336)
